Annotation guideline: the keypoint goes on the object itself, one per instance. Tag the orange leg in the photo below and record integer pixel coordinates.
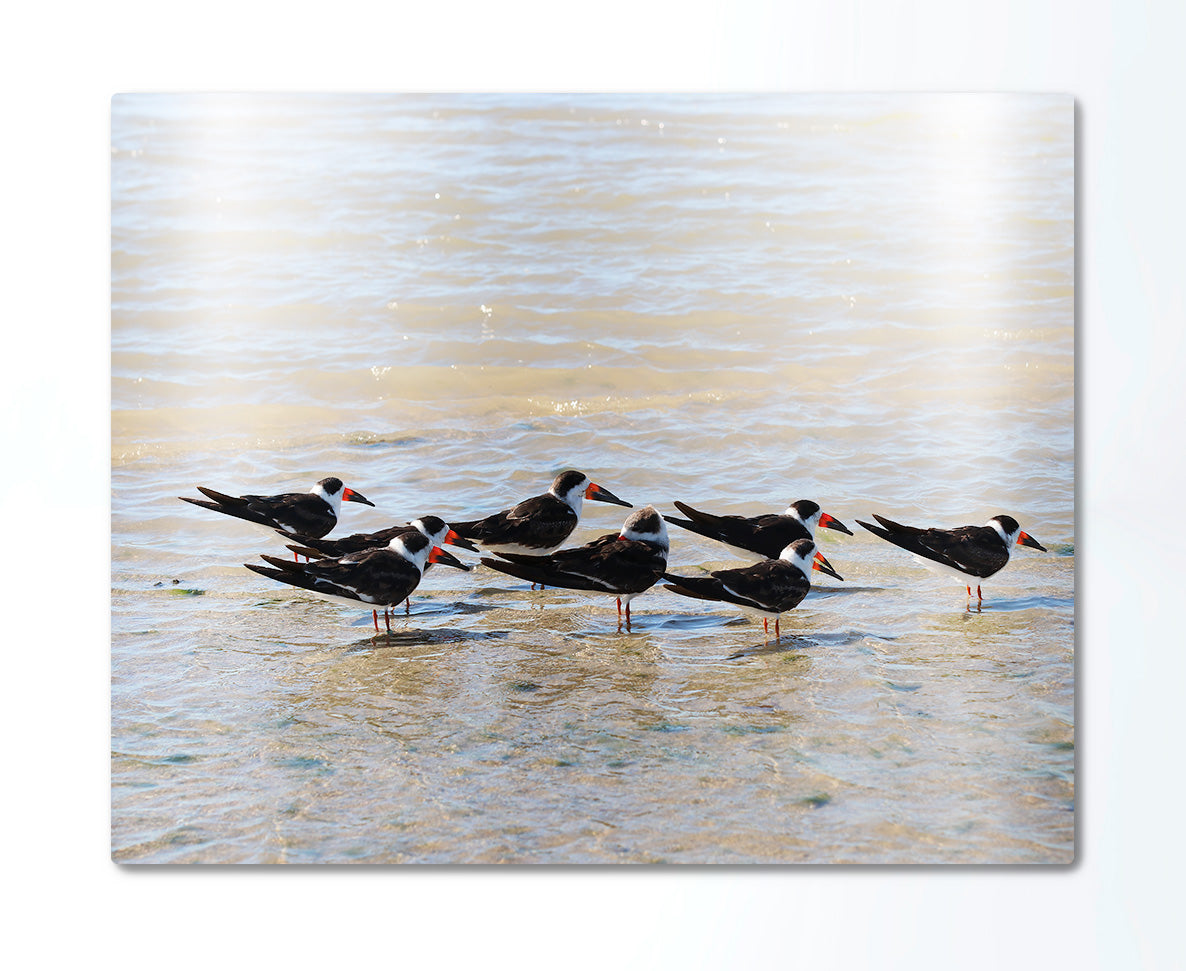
(375, 616)
(777, 633)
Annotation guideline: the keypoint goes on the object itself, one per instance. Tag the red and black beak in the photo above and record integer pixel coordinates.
(821, 564)
(454, 539)
(594, 491)
(445, 558)
(349, 495)
(1025, 539)
(831, 522)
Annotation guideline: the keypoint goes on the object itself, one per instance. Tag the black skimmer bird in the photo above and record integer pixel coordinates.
(383, 577)
(622, 564)
(313, 513)
(768, 589)
(433, 527)
(539, 525)
(966, 551)
(763, 536)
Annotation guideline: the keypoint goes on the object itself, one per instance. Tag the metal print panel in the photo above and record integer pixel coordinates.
(734, 303)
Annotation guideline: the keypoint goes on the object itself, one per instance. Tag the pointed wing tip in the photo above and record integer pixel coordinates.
(895, 527)
(284, 565)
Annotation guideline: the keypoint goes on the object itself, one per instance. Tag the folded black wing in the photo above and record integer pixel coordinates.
(975, 550)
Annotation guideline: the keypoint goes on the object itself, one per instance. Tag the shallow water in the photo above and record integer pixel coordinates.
(732, 301)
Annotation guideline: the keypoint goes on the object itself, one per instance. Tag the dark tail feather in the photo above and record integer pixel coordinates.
(201, 502)
(684, 591)
(302, 580)
(701, 588)
(897, 527)
(221, 498)
(307, 551)
(687, 510)
(690, 524)
(230, 505)
(526, 559)
(701, 518)
(287, 567)
(875, 530)
(532, 574)
(905, 537)
(267, 571)
(521, 570)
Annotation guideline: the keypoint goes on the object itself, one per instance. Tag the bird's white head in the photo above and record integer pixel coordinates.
(807, 512)
(433, 527)
(413, 547)
(569, 487)
(646, 526)
(804, 554)
(330, 490)
(1011, 533)
(800, 553)
(333, 491)
(1007, 528)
